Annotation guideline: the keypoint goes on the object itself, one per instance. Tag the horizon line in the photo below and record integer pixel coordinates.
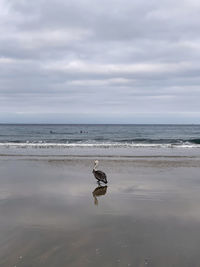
(45, 123)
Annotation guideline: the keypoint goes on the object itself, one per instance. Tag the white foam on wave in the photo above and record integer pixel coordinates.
(96, 145)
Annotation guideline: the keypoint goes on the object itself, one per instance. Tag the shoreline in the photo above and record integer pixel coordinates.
(93, 152)
(142, 162)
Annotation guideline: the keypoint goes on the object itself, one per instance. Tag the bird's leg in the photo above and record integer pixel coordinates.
(98, 182)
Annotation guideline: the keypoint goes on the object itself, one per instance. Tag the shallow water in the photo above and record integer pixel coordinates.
(53, 214)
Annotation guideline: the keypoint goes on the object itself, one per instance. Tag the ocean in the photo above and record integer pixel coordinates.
(108, 136)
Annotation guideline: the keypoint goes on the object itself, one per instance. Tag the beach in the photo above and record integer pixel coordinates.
(99, 133)
(52, 212)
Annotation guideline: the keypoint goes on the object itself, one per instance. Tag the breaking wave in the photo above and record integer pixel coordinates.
(193, 143)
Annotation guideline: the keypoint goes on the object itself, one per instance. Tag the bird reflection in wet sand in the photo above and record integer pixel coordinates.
(99, 191)
(99, 175)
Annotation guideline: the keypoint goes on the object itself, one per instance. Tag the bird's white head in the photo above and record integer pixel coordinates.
(96, 162)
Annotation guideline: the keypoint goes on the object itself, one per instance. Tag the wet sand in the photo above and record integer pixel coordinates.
(53, 214)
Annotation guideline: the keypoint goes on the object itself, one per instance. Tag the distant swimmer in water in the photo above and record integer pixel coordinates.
(99, 175)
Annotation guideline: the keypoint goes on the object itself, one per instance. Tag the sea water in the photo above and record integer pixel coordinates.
(99, 140)
(99, 135)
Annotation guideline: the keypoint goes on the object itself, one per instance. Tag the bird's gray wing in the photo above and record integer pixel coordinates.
(101, 176)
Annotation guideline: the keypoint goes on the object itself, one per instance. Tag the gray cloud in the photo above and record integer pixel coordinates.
(108, 61)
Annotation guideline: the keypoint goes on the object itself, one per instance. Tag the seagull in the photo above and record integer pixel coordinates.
(99, 175)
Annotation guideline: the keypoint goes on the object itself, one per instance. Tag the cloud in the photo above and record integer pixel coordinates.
(138, 59)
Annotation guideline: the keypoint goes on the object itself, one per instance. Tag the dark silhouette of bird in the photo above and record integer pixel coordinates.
(99, 175)
(99, 191)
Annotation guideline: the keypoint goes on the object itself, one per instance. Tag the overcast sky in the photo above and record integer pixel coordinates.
(106, 61)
